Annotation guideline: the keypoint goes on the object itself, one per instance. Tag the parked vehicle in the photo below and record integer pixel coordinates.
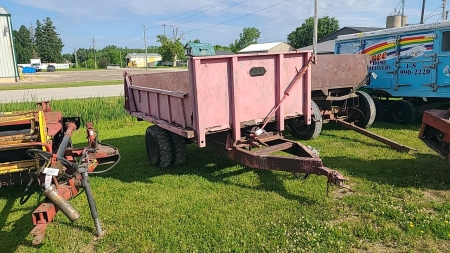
(334, 92)
(51, 68)
(410, 66)
(36, 64)
(336, 97)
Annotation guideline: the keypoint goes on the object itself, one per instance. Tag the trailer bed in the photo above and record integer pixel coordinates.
(221, 93)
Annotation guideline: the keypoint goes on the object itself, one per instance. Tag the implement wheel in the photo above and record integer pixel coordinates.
(300, 130)
(158, 146)
(364, 114)
(178, 148)
(402, 112)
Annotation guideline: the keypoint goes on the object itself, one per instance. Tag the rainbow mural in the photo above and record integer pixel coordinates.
(413, 46)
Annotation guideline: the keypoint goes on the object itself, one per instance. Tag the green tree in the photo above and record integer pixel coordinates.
(48, 44)
(303, 36)
(23, 45)
(152, 49)
(68, 57)
(171, 48)
(221, 48)
(249, 35)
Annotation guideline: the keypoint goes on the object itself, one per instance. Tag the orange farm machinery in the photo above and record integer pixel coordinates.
(36, 150)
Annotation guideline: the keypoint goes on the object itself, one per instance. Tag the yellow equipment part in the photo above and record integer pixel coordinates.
(13, 135)
(42, 127)
(7, 168)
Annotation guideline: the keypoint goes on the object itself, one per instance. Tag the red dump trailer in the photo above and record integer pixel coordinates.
(234, 104)
(435, 131)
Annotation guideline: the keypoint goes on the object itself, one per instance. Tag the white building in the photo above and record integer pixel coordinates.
(8, 64)
(272, 47)
(138, 59)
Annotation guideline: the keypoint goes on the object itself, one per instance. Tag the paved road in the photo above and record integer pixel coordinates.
(60, 93)
(89, 75)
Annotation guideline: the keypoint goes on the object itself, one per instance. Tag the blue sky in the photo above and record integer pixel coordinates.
(120, 22)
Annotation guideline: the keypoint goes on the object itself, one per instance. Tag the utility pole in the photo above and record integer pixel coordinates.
(403, 13)
(94, 47)
(423, 11)
(145, 45)
(120, 53)
(444, 11)
(76, 57)
(316, 22)
(164, 27)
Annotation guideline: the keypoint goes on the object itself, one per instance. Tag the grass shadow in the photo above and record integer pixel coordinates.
(15, 237)
(200, 162)
(424, 171)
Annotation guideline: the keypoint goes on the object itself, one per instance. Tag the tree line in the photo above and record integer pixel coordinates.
(42, 41)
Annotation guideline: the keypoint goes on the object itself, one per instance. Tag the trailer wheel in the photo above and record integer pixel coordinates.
(364, 115)
(403, 112)
(178, 148)
(158, 146)
(300, 130)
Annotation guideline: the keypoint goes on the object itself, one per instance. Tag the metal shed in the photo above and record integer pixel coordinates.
(8, 64)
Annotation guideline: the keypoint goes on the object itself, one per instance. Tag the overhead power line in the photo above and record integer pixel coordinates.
(238, 17)
(189, 21)
(176, 21)
(139, 27)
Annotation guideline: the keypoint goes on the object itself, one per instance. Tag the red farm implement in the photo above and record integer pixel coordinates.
(36, 148)
(435, 131)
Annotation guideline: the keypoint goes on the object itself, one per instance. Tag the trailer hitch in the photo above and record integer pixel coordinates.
(262, 150)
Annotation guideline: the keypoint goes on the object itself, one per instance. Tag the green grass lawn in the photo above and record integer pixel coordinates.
(58, 85)
(397, 202)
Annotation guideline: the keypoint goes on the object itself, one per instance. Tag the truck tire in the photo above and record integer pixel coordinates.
(367, 108)
(379, 109)
(178, 148)
(158, 146)
(300, 130)
(402, 112)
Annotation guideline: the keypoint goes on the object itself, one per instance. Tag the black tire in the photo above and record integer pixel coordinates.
(158, 146)
(379, 109)
(403, 112)
(178, 148)
(300, 130)
(364, 115)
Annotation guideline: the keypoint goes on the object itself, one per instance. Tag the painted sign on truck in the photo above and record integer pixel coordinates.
(411, 62)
